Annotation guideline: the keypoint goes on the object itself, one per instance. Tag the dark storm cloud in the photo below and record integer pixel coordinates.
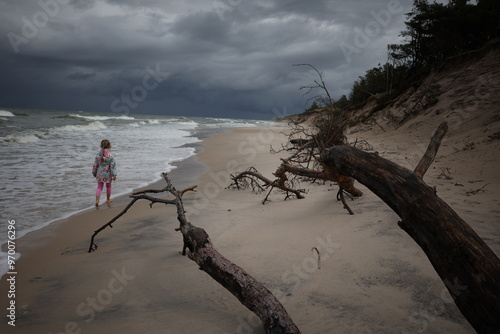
(216, 58)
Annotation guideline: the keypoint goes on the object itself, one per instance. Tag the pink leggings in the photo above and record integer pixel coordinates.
(100, 185)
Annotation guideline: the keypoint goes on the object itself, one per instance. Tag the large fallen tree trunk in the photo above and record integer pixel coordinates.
(468, 267)
(344, 182)
(251, 293)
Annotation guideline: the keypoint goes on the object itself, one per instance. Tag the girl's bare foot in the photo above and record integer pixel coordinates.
(96, 204)
(109, 200)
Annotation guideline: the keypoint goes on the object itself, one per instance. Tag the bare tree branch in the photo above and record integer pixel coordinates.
(249, 292)
(430, 153)
(321, 85)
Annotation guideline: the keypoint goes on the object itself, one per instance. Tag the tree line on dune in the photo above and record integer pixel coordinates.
(434, 32)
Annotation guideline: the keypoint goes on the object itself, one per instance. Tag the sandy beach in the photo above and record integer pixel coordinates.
(373, 277)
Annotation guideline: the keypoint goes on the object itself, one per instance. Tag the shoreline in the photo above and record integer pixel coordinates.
(190, 163)
(43, 249)
(373, 277)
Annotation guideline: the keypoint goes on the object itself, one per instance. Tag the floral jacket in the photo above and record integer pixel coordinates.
(104, 168)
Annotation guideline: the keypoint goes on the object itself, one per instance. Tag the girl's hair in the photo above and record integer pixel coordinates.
(105, 144)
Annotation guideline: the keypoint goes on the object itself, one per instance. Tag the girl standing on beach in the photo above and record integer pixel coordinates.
(104, 170)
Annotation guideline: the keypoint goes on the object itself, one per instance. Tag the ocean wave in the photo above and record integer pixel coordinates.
(227, 123)
(24, 139)
(103, 118)
(149, 122)
(5, 113)
(235, 123)
(189, 124)
(231, 124)
(86, 127)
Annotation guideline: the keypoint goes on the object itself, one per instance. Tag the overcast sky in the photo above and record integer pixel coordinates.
(222, 58)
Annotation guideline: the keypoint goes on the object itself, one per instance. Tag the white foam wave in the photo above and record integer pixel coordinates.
(231, 124)
(188, 124)
(103, 118)
(31, 138)
(149, 122)
(5, 113)
(86, 127)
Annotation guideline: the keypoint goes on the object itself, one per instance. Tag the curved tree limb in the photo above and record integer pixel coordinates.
(136, 196)
(467, 266)
(340, 195)
(430, 153)
(257, 175)
(322, 85)
(93, 245)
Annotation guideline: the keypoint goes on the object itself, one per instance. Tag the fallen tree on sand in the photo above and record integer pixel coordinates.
(303, 164)
(467, 266)
(251, 293)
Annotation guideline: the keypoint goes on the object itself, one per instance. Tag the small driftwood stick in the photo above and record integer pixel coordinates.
(473, 192)
(319, 256)
(340, 195)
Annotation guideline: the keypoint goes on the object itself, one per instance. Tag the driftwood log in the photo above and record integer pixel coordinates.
(467, 266)
(251, 293)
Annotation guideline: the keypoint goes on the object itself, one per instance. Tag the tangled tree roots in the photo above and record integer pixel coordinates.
(250, 178)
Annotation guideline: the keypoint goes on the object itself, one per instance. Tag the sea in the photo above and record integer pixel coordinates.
(47, 157)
